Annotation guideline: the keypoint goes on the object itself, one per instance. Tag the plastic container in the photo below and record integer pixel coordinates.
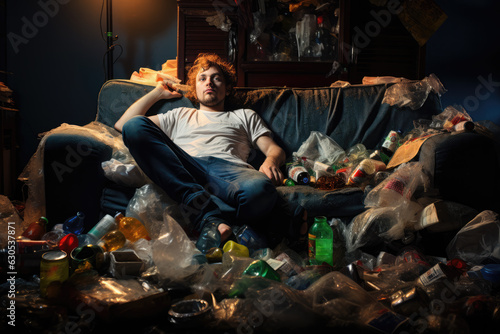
(105, 225)
(236, 249)
(112, 241)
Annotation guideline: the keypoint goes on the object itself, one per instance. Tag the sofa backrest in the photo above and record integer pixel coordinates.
(348, 115)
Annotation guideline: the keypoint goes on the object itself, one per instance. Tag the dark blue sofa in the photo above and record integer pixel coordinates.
(461, 166)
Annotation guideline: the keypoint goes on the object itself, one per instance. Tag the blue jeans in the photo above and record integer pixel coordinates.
(193, 181)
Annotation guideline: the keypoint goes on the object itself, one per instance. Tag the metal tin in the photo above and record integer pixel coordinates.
(54, 269)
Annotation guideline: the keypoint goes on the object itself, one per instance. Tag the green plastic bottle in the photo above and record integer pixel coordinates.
(320, 242)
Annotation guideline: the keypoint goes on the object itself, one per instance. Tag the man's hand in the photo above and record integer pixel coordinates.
(272, 170)
(166, 91)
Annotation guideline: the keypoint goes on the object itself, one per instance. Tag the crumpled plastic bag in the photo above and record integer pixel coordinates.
(367, 228)
(10, 222)
(478, 240)
(320, 147)
(413, 93)
(449, 117)
(150, 204)
(220, 21)
(174, 254)
(127, 174)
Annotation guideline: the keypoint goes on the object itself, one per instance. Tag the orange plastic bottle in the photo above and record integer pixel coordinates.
(36, 230)
(131, 227)
(112, 241)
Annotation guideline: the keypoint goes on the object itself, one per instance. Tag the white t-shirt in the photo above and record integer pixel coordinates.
(228, 135)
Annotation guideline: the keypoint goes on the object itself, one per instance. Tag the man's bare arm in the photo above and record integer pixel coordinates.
(141, 106)
(275, 157)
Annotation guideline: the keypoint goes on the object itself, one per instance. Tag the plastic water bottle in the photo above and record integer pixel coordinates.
(75, 224)
(209, 238)
(320, 242)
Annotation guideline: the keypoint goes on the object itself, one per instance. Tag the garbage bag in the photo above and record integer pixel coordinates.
(319, 147)
(478, 241)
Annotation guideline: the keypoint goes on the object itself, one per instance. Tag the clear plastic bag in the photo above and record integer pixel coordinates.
(127, 174)
(413, 93)
(478, 240)
(174, 254)
(149, 204)
(319, 147)
(399, 187)
(10, 222)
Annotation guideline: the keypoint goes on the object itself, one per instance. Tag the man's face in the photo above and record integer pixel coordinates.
(211, 89)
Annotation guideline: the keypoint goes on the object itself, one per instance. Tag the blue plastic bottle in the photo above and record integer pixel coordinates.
(75, 224)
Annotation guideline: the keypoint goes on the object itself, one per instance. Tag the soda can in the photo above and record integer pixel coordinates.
(54, 270)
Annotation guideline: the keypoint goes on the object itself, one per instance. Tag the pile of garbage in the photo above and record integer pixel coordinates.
(379, 276)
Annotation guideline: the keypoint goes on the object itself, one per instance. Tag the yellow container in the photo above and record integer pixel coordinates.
(236, 249)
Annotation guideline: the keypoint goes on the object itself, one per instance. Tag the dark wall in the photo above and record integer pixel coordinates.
(465, 54)
(55, 52)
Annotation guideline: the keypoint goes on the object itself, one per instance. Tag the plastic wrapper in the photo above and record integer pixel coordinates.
(127, 174)
(319, 147)
(343, 301)
(33, 173)
(369, 227)
(450, 116)
(150, 204)
(220, 21)
(478, 241)
(411, 93)
(10, 222)
(174, 254)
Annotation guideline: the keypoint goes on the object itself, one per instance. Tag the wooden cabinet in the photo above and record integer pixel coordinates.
(8, 144)
(365, 39)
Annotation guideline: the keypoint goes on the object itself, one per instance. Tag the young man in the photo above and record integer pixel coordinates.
(195, 153)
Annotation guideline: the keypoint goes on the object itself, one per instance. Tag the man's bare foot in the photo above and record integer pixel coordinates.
(225, 231)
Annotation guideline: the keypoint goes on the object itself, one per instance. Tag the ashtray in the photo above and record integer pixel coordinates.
(189, 310)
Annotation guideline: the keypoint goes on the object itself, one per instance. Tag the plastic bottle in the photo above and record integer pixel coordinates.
(131, 227)
(236, 249)
(364, 171)
(298, 173)
(246, 236)
(112, 241)
(320, 242)
(37, 229)
(209, 238)
(263, 269)
(390, 143)
(105, 225)
(75, 224)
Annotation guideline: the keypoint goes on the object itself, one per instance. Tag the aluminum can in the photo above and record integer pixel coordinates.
(54, 269)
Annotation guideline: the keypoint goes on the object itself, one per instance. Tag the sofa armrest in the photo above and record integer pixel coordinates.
(464, 168)
(74, 178)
